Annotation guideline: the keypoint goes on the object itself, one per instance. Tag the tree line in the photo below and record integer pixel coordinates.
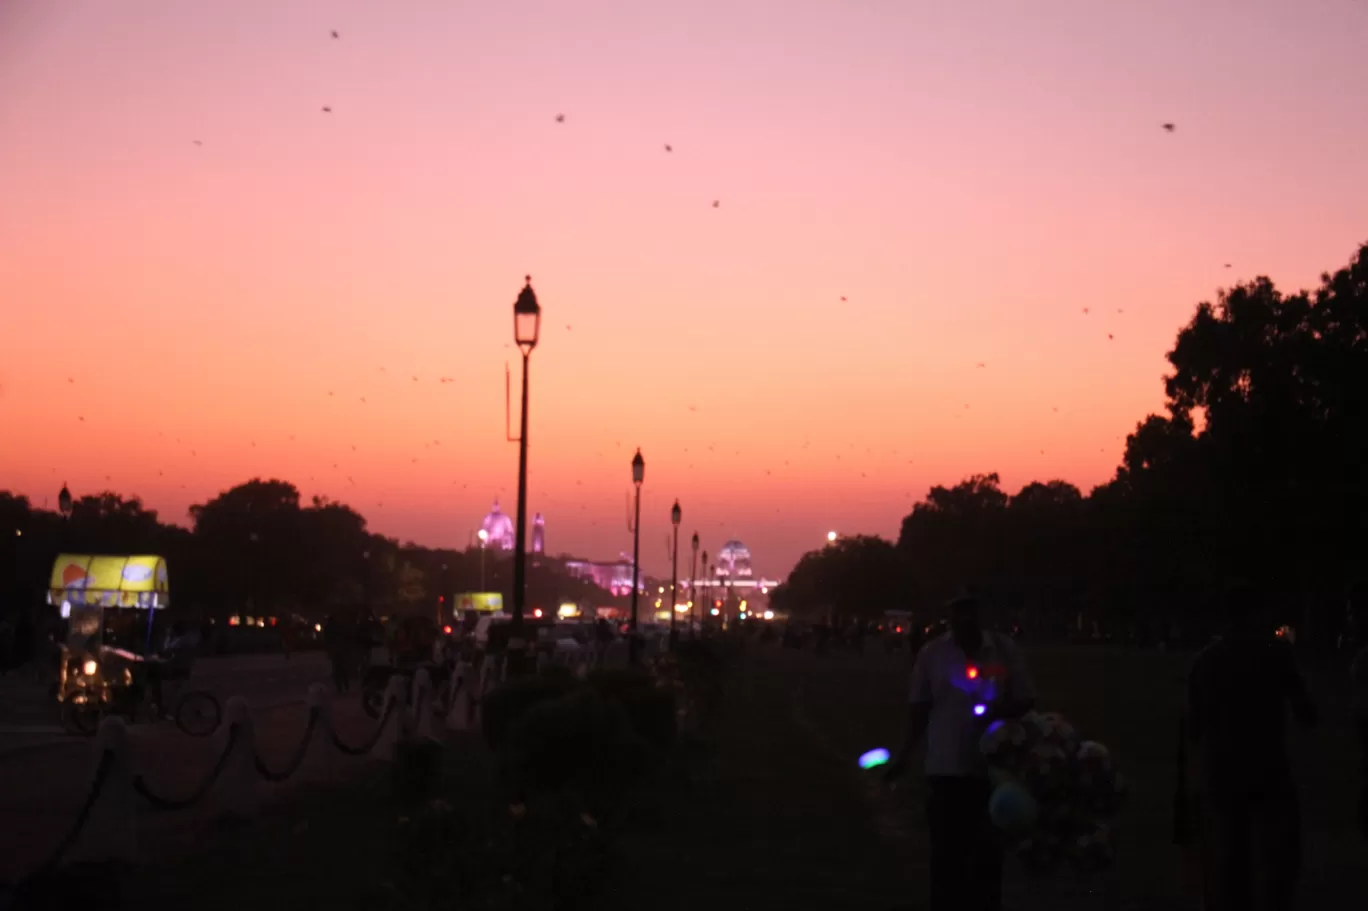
(257, 549)
(1257, 471)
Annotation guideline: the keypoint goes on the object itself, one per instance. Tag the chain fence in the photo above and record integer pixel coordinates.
(12, 893)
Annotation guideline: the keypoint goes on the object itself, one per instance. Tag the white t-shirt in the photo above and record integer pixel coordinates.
(944, 677)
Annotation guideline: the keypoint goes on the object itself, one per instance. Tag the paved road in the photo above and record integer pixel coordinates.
(45, 774)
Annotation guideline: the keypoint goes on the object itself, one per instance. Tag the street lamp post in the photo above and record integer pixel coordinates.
(638, 475)
(64, 507)
(693, 589)
(675, 516)
(526, 329)
(484, 537)
(701, 615)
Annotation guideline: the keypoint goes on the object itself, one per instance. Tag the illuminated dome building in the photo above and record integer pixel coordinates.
(498, 529)
(538, 534)
(733, 561)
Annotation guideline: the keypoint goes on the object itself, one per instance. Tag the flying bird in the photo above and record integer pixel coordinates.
(1169, 127)
(716, 203)
(334, 34)
(668, 147)
(198, 143)
(1227, 265)
(981, 364)
(1085, 310)
(842, 298)
(560, 118)
(1110, 336)
(327, 109)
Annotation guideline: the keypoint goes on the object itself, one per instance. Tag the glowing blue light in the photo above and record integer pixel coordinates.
(980, 709)
(873, 758)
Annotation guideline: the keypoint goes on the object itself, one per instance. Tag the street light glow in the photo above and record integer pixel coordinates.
(831, 537)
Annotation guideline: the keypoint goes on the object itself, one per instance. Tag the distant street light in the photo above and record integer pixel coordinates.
(704, 568)
(526, 331)
(675, 516)
(484, 538)
(831, 537)
(64, 507)
(693, 588)
(638, 475)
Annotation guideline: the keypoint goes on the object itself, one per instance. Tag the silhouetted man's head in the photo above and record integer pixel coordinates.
(1244, 609)
(964, 623)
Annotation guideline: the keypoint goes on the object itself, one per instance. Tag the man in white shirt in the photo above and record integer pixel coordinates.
(1358, 673)
(962, 681)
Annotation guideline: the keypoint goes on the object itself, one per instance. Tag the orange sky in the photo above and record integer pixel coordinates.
(970, 176)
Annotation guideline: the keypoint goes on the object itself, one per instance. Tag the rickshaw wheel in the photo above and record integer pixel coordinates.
(198, 714)
(81, 719)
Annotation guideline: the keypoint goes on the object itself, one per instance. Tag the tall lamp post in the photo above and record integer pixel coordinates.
(638, 475)
(693, 589)
(675, 516)
(701, 615)
(484, 538)
(64, 507)
(526, 329)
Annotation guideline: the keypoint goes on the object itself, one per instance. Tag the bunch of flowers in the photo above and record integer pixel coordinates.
(1072, 784)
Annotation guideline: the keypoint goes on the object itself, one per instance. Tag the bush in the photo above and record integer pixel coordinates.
(504, 706)
(580, 743)
(650, 707)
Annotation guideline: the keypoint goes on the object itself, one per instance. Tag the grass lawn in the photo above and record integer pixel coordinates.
(1128, 699)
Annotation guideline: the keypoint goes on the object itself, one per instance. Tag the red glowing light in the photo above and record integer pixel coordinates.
(897, 629)
(537, 613)
(446, 630)
(971, 672)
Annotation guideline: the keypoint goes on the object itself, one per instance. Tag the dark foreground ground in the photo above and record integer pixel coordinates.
(775, 813)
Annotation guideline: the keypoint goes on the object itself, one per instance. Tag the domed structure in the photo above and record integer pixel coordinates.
(734, 560)
(498, 529)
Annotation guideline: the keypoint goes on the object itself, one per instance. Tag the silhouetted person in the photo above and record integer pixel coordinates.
(1358, 673)
(954, 673)
(1238, 692)
(337, 640)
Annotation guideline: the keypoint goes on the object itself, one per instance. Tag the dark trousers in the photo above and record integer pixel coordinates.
(966, 849)
(1251, 855)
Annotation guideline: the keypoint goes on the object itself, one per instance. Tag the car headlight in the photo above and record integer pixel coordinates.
(89, 668)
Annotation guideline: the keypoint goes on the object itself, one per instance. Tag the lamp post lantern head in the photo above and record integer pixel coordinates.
(695, 542)
(483, 536)
(64, 501)
(638, 468)
(526, 318)
(675, 514)
(831, 537)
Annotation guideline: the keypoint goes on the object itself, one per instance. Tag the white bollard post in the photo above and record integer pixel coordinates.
(396, 695)
(238, 790)
(422, 704)
(111, 830)
(458, 704)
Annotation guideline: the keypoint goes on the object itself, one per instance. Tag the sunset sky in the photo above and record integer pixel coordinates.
(968, 176)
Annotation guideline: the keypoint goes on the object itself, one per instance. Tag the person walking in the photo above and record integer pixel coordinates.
(337, 646)
(1247, 811)
(962, 681)
(1358, 674)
